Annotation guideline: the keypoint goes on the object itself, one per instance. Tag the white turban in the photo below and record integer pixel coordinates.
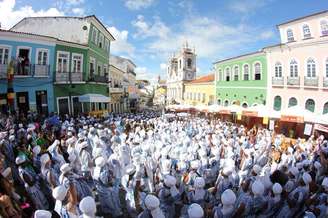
(42, 214)
(199, 182)
(228, 197)
(195, 211)
(151, 202)
(170, 180)
(306, 178)
(257, 188)
(59, 193)
(88, 206)
(276, 188)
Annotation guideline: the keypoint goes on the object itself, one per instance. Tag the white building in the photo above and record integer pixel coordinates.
(181, 68)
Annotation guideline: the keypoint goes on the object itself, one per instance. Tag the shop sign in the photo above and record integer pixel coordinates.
(292, 119)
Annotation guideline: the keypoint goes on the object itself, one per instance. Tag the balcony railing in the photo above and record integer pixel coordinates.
(3, 71)
(277, 81)
(99, 79)
(21, 70)
(115, 90)
(325, 82)
(69, 77)
(41, 70)
(293, 81)
(311, 81)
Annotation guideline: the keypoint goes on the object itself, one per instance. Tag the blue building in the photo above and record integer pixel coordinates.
(33, 57)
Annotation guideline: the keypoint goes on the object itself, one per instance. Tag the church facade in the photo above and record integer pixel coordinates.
(181, 69)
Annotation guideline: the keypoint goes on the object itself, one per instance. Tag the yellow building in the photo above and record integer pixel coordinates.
(200, 91)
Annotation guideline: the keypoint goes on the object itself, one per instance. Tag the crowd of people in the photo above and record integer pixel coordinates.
(150, 166)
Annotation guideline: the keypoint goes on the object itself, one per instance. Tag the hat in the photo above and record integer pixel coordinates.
(257, 169)
(12, 138)
(151, 202)
(228, 197)
(130, 169)
(194, 164)
(325, 182)
(257, 188)
(277, 189)
(306, 178)
(169, 180)
(199, 182)
(59, 193)
(44, 158)
(36, 150)
(20, 160)
(226, 171)
(100, 162)
(195, 211)
(42, 214)
(294, 171)
(65, 168)
(88, 206)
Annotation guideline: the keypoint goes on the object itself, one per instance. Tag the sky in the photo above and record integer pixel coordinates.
(150, 31)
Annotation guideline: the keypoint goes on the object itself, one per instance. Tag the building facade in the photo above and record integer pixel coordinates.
(181, 69)
(200, 91)
(81, 60)
(117, 90)
(33, 57)
(298, 66)
(241, 80)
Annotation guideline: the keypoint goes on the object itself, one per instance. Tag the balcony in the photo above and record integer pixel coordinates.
(23, 70)
(293, 81)
(3, 71)
(325, 82)
(99, 79)
(116, 89)
(311, 81)
(41, 70)
(277, 81)
(66, 77)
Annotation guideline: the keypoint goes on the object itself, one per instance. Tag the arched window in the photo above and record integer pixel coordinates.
(180, 65)
(236, 73)
(306, 31)
(325, 108)
(310, 105)
(292, 102)
(310, 66)
(234, 102)
(257, 71)
(324, 27)
(290, 35)
(277, 103)
(293, 69)
(244, 105)
(189, 62)
(226, 103)
(220, 74)
(246, 72)
(227, 74)
(327, 67)
(278, 70)
(219, 101)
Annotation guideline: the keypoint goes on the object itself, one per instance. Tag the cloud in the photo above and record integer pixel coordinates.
(267, 34)
(143, 73)
(163, 66)
(121, 45)
(78, 11)
(147, 29)
(74, 2)
(247, 6)
(138, 4)
(10, 15)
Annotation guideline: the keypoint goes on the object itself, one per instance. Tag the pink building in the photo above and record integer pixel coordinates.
(298, 66)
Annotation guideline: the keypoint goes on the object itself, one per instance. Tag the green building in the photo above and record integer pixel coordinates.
(81, 80)
(241, 80)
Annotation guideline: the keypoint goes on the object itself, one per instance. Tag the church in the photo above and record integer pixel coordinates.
(181, 68)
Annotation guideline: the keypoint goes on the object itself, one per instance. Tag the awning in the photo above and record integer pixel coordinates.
(94, 98)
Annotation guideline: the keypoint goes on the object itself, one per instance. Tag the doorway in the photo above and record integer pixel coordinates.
(22, 102)
(77, 106)
(63, 105)
(23, 61)
(42, 102)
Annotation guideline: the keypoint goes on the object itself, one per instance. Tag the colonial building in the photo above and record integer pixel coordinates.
(299, 65)
(200, 91)
(160, 91)
(116, 90)
(181, 69)
(81, 60)
(33, 59)
(241, 80)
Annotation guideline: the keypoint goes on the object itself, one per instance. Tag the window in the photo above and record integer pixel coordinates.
(306, 31)
(189, 62)
(106, 45)
(278, 70)
(246, 72)
(99, 70)
(220, 75)
(226, 103)
(257, 71)
(227, 74)
(94, 35)
(293, 69)
(101, 40)
(277, 103)
(244, 105)
(199, 96)
(4, 55)
(77, 61)
(325, 108)
(324, 27)
(62, 62)
(290, 35)
(236, 73)
(92, 66)
(195, 96)
(327, 68)
(310, 66)
(42, 57)
(292, 102)
(204, 96)
(105, 70)
(310, 105)
(180, 65)
(219, 101)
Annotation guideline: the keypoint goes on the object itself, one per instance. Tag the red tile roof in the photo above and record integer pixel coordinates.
(204, 79)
